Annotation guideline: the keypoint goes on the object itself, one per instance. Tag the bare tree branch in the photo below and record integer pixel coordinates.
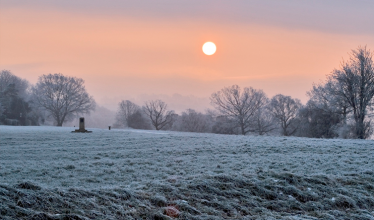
(285, 110)
(193, 121)
(126, 108)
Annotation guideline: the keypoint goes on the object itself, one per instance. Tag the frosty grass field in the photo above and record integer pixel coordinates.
(50, 173)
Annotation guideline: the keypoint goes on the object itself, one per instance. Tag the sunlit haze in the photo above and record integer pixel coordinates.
(141, 50)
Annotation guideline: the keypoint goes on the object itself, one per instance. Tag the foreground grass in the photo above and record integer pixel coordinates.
(52, 174)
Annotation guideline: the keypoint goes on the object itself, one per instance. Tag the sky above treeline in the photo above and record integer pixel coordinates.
(147, 49)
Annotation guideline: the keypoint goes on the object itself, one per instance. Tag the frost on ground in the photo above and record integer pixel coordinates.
(50, 173)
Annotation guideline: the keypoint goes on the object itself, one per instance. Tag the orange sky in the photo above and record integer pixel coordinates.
(131, 57)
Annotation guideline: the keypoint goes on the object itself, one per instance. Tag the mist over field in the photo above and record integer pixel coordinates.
(50, 173)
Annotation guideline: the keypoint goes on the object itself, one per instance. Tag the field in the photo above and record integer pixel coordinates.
(50, 173)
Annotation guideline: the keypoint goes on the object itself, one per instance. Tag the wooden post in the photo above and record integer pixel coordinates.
(81, 124)
(82, 128)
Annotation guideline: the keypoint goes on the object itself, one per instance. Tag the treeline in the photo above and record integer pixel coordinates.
(237, 111)
(55, 98)
(15, 104)
(339, 107)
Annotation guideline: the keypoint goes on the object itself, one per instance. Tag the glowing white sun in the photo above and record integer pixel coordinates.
(209, 48)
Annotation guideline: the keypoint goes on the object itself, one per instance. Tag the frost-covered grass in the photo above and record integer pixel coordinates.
(50, 173)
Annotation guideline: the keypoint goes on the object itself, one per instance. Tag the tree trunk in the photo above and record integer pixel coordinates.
(284, 126)
(360, 130)
(157, 126)
(59, 121)
(242, 128)
(285, 132)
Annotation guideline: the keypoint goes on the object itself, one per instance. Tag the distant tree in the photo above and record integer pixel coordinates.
(173, 118)
(11, 87)
(63, 97)
(241, 105)
(263, 122)
(157, 112)
(318, 121)
(19, 85)
(13, 95)
(325, 115)
(348, 92)
(19, 109)
(192, 121)
(137, 120)
(353, 83)
(7, 96)
(321, 98)
(225, 125)
(37, 115)
(285, 109)
(126, 108)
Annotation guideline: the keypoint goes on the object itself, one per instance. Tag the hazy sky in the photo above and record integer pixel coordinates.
(140, 50)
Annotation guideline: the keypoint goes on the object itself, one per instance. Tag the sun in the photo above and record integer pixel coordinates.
(209, 48)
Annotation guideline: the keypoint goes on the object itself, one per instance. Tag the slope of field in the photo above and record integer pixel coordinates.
(50, 173)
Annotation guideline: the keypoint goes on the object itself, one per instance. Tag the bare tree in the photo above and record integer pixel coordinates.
(325, 113)
(319, 120)
(239, 104)
(157, 112)
(263, 121)
(138, 120)
(285, 110)
(321, 98)
(63, 97)
(8, 78)
(126, 108)
(354, 83)
(11, 88)
(193, 121)
(225, 125)
(14, 97)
